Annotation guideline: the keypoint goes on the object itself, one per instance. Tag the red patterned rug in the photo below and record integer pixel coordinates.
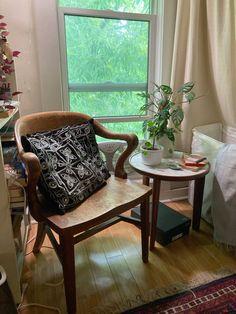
(216, 297)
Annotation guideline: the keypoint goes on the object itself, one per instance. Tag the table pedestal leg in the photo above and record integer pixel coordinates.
(197, 202)
(155, 205)
(146, 180)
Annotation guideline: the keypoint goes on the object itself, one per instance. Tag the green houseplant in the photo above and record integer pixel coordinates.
(164, 104)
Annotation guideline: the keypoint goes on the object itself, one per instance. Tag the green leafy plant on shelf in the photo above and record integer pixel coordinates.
(164, 104)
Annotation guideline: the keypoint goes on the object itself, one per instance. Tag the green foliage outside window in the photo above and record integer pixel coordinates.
(134, 6)
(106, 50)
(134, 127)
(101, 51)
(106, 104)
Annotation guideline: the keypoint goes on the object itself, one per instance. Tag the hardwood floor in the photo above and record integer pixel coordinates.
(111, 276)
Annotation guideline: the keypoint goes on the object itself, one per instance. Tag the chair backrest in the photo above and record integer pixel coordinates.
(39, 122)
(44, 121)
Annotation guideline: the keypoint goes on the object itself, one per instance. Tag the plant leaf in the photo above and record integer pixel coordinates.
(177, 116)
(170, 134)
(15, 53)
(143, 95)
(157, 87)
(150, 123)
(4, 33)
(185, 88)
(190, 96)
(16, 93)
(148, 145)
(166, 89)
(144, 108)
(144, 128)
(3, 26)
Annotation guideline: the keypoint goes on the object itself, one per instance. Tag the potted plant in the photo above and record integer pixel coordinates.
(6, 65)
(167, 115)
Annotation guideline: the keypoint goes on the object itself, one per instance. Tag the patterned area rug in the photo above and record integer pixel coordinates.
(216, 297)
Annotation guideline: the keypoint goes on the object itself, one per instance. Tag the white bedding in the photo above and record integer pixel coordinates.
(219, 199)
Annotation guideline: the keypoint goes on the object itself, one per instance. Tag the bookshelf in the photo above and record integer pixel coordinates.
(10, 257)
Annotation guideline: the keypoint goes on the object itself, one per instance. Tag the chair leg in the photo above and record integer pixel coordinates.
(68, 265)
(144, 210)
(41, 233)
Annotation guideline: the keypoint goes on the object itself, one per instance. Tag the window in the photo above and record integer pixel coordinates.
(106, 57)
(133, 6)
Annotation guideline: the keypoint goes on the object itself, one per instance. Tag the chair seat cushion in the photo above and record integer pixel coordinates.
(71, 166)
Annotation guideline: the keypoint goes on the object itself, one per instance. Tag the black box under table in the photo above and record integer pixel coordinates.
(171, 225)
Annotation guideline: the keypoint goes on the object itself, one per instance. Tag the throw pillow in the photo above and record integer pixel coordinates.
(72, 168)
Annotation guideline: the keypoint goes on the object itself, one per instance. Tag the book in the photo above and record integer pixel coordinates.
(17, 205)
(195, 161)
(192, 163)
(15, 171)
(15, 191)
(15, 199)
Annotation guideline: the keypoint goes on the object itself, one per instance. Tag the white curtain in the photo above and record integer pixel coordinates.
(205, 52)
(221, 25)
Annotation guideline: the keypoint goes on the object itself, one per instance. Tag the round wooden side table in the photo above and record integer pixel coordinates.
(162, 172)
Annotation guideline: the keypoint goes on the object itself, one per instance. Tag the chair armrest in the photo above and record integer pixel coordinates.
(129, 138)
(33, 170)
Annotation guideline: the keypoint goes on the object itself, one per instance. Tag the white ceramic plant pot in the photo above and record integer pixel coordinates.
(152, 157)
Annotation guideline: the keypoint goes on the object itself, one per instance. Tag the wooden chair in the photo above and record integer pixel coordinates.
(101, 210)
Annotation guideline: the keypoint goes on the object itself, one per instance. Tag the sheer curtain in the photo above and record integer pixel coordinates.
(221, 25)
(204, 52)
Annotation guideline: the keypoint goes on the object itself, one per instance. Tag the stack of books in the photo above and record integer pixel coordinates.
(194, 162)
(16, 181)
(17, 198)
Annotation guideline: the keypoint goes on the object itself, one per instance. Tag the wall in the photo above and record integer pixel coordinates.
(21, 17)
(18, 16)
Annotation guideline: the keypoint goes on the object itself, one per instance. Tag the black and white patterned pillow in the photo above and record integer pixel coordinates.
(72, 168)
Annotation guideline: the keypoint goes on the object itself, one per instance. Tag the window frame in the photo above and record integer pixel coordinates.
(152, 19)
